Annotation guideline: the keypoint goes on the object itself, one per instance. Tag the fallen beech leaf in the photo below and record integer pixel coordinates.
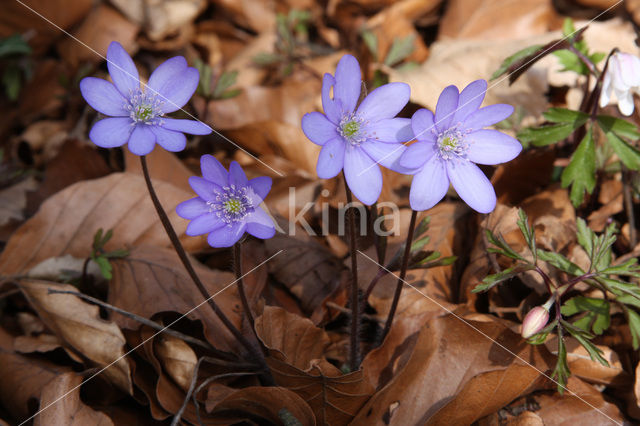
(22, 378)
(78, 324)
(273, 405)
(258, 15)
(61, 396)
(161, 18)
(296, 338)
(153, 280)
(497, 19)
(13, 200)
(67, 222)
(163, 165)
(449, 355)
(103, 25)
(177, 358)
(305, 267)
(592, 408)
(295, 346)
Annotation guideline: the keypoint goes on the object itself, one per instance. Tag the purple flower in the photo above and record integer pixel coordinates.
(451, 142)
(358, 139)
(227, 204)
(137, 115)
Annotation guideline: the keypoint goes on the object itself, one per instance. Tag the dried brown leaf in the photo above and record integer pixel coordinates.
(67, 222)
(61, 397)
(177, 358)
(79, 325)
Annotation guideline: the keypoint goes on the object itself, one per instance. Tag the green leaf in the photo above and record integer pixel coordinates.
(97, 238)
(571, 62)
(560, 262)
(491, 280)
(620, 127)
(527, 51)
(561, 371)
(400, 50)
(503, 247)
(583, 338)
(105, 266)
(12, 81)
(634, 326)
(371, 41)
(545, 135)
(585, 237)
(628, 154)
(563, 115)
(580, 174)
(267, 58)
(527, 232)
(629, 268)
(119, 253)
(597, 316)
(225, 81)
(14, 45)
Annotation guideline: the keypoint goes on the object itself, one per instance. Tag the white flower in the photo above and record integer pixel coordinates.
(623, 79)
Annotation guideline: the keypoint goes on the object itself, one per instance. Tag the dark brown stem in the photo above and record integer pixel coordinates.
(628, 206)
(145, 321)
(237, 266)
(403, 273)
(85, 265)
(586, 61)
(354, 349)
(546, 279)
(177, 245)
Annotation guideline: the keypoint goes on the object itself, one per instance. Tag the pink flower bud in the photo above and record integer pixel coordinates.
(535, 321)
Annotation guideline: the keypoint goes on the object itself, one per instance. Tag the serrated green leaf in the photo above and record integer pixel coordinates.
(501, 244)
(527, 51)
(545, 135)
(97, 238)
(561, 371)
(620, 127)
(400, 50)
(597, 318)
(560, 262)
(585, 237)
(491, 280)
(583, 338)
(580, 174)
(628, 154)
(633, 318)
(564, 115)
(571, 62)
(629, 268)
(527, 232)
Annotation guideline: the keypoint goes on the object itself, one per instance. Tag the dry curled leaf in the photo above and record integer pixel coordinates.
(177, 358)
(79, 325)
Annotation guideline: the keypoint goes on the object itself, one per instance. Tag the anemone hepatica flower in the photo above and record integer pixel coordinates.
(622, 79)
(136, 114)
(450, 143)
(227, 205)
(358, 139)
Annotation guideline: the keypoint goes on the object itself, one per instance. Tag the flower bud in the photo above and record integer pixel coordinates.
(535, 321)
(622, 79)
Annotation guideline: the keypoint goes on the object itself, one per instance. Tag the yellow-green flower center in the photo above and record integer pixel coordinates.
(233, 205)
(350, 128)
(144, 112)
(451, 144)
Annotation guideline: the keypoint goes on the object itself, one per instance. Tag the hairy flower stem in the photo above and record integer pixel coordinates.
(628, 206)
(237, 267)
(354, 348)
(403, 273)
(177, 245)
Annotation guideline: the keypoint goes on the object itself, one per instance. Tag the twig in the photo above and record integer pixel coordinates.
(403, 273)
(348, 312)
(145, 321)
(354, 354)
(192, 386)
(164, 219)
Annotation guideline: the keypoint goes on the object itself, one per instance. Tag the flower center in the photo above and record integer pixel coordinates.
(231, 205)
(351, 129)
(144, 108)
(451, 144)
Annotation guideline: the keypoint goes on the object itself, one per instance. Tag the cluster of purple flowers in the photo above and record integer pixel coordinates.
(449, 144)
(355, 138)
